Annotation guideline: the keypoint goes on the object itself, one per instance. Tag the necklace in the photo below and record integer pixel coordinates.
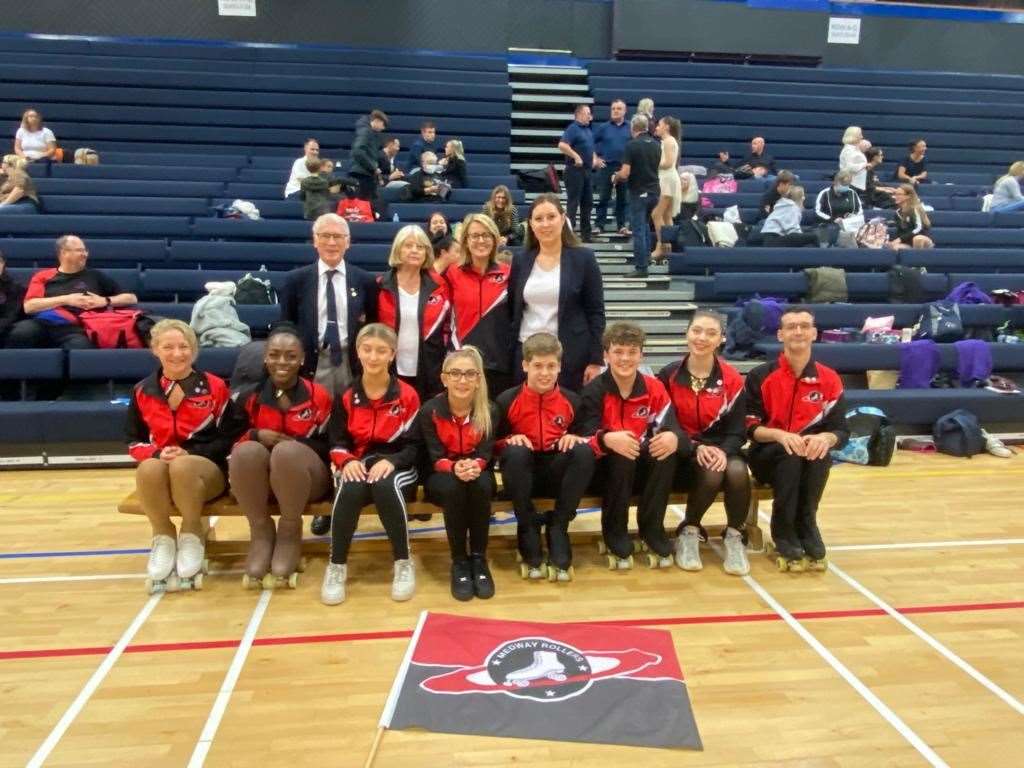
(698, 383)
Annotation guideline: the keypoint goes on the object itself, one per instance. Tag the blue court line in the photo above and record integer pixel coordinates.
(109, 552)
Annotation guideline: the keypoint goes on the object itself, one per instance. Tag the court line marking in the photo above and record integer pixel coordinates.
(937, 646)
(93, 683)
(220, 704)
(398, 634)
(97, 577)
(927, 545)
(879, 706)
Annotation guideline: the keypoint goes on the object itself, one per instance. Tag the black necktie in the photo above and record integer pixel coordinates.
(332, 335)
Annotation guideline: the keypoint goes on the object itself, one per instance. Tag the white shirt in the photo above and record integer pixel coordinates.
(341, 301)
(33, 143)
(407, 356)
(540, 295)
(299, 172)
(853, 160)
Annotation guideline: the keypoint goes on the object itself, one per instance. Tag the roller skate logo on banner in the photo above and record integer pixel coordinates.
(541, 669)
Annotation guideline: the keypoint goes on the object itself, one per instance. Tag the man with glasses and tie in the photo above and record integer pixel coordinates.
(329, 301)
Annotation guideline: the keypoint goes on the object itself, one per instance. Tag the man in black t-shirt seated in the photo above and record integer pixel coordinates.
(757, 164)
(57, 295)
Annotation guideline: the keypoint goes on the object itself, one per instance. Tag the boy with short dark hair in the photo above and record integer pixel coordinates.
(542, 453)
(634, 433)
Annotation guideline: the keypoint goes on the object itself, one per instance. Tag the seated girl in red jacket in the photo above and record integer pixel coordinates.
(457, 428)
(374, 450)
(283, 450)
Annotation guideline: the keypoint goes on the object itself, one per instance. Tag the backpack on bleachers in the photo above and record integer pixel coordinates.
(758, 318)
(940, 322)
(691, 233)
(540, 181)
(254, 290)
(112, 328)
(722, 234)
(906, 284)
(826, 285)
(874, 234)
(722, 184)
(872, 438)
(958, 433)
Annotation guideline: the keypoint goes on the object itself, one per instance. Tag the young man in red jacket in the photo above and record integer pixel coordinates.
(795, 416)
(634, 432)
(542, 454)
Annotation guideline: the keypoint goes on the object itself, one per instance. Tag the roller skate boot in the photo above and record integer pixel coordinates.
(559, 550)
(788, 556)
(736, 563)
(530, 556)
(191, 561)
(261, 549)
(332, 589)
(658, 549)
(815, 555)
(160, 573)
(321, 525)
(688, 549)
(403, 585)
(287, 561)
(545, 666)
(483, 583)
(618, 550)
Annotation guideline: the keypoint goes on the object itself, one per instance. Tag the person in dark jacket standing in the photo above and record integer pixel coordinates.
(577, 144)
(365, 155)
(795, 416)
(610, 141)
(556, 287)
(640, 161)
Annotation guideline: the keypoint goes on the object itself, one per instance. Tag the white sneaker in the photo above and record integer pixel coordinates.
(162, 553)
(191, 552)
(404, 584)
(688, 549)
(736, 562)
(332, 591)
(995, 446)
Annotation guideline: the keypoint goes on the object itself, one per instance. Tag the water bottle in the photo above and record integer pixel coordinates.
(395, 218)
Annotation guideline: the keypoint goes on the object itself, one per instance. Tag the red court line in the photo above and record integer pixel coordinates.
(349, 637)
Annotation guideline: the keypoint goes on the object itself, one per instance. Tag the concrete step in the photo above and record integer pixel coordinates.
(655, 282)
(545, 69)
(531, 98)
(550, 87)
(554, 116)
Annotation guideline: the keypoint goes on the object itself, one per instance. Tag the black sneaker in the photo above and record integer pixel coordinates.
(483, 584)
(321, 525)
(462, 580)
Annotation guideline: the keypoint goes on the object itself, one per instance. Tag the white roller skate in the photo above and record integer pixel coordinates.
(545, 665)
(688, 549)
(654, 560)
(332, 591)
(192, 562)
(403, 586)
(736, 563)
(616, 563)
(160, 574)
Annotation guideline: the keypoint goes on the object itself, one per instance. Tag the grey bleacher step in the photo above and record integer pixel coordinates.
(539, 133)
(518, 85)
(553, 116)
(540, 150)
(531, 98)
(656, 282)
(545, 69)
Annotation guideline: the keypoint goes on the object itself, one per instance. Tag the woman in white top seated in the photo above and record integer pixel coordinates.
(414, 302)
(34, 141)
(1006, 194)
(852, 158)
(555, 286)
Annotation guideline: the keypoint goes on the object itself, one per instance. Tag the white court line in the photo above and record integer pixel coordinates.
(220, 704)
(1013, 703)
(94, 682)
(99, 577)
(891, 717)
(928, 545)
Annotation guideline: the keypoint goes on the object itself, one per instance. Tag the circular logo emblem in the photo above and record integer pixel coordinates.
(539, 668)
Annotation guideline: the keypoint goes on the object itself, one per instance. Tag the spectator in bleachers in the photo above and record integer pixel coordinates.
(413, 302)
(671, 194)
(782, 227)
(835, 203)
(17, 190)
(446, 252)
(301, 168)
(319, 190)
(914, 168)
(722, 166)
(427, 142)
(757, 164)
(11, 296)
(1006, 194)
(505, 215)
(852, 158)
(425, 182)
(453, 165)
(437, 226)
(556, 287)
(874, 195)
(610, 141)
(640, 172)
(782, 184)
(57, 295)
(33, 140)
(364, 158)
(389, 170)
(577, 144)
(645, 107)
(912, 224)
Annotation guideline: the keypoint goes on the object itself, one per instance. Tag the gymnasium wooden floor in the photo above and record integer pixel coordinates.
(910, 651)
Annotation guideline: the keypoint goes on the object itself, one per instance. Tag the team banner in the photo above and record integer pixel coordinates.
(532, 680)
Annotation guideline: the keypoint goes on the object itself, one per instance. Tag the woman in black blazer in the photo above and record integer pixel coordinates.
(556, 286)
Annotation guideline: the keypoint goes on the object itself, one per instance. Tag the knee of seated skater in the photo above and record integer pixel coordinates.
(582, 456)
(151, 471)
(250, 451)
(287, 452)
(516, 456)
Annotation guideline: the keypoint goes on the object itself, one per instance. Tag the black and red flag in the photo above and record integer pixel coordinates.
(565, 682)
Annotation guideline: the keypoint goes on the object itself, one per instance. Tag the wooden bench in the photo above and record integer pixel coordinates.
(226, 506)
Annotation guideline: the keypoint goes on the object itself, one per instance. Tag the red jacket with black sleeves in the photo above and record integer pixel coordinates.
(646, 412)
(543, 418)
(808, 404)
(361, 428)
(448, 438)
(714, 416)
(432, 318)
(204, 424)
(305, 420)
(480, 312)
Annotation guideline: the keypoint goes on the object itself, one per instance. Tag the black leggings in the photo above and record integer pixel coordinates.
(467, 510)
(792, 240)
(564, 475)
(388, 495)
(797, 485)
(703, 485)
(653, 479)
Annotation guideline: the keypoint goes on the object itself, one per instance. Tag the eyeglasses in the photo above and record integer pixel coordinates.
(480, 236)
(469, 375)
(332, 236)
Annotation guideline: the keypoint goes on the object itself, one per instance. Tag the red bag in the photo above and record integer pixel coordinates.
(112, 328)
(355, 210)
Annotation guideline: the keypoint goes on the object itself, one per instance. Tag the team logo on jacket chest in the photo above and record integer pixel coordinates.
(642, 412)
(434, 299)
(498, 278)
(558, 420)
(204, 403)
(812, 397)
(395, 410)
(305, 414)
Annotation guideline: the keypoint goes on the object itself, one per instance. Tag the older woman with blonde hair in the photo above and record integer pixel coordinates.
(413, 301)
(34, 141)
(180, 428)
(852, 158)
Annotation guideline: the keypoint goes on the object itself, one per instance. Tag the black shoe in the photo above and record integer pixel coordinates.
(321, 525)
(559, 546)
(462, 580)
(636, 274)
(789, 550)
(528, 535)
(483, 584)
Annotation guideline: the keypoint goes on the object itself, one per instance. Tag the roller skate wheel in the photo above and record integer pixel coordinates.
(293, 581)
(206, 565)
(626, 564)
(171, 584)
(301, 567)
(150, 586)
(519, 557)
(817, 565)
(269, 581)
(197, 581)
(601, 548)
(248, 582)
(559, 574)
(567, 575)
(639, 545)
(613, 562)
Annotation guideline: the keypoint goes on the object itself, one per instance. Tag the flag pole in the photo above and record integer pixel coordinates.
(373, 749)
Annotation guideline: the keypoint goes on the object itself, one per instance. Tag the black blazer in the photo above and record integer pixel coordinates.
(298, 300)
(580, 310)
